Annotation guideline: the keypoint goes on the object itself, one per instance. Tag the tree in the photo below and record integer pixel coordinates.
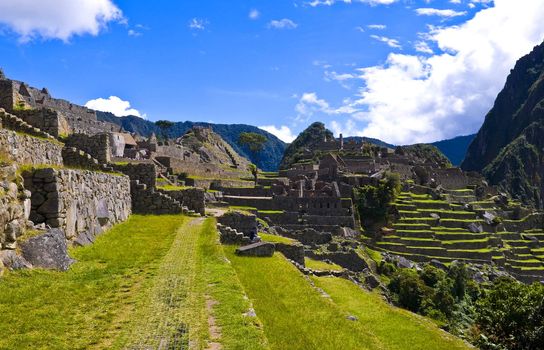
(165, 126)
(254, 171)
(253, 140)
(511, 316)
(373, 201)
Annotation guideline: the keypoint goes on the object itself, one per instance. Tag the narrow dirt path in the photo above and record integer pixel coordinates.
(163, 322)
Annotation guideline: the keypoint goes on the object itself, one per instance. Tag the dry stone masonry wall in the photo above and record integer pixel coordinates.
(25, 149)
(82, 203)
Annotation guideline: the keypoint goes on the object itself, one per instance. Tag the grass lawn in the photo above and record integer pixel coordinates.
(321, 265)
(296, 316)
(395, 328)
(148, 280)
(276, 239)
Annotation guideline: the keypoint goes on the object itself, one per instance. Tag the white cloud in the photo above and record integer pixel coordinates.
(439, 13)
(455, 1)
(360, 29)
(315, 3)
(198, 24)
(390, 42)
(132, 32)
(254, 14)
(377, 26)
(57, 19)
(284, 133)
(423, 47)
(415, 98)
(114, 105)
(282, 24)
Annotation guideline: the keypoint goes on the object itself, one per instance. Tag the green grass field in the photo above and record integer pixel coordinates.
(149, 280)
(297, 316)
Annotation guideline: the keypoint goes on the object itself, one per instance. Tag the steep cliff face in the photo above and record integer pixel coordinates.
(519, 167)
(519, 104)
(509, 148)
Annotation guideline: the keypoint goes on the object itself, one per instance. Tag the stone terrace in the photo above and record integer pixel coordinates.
(448, 230)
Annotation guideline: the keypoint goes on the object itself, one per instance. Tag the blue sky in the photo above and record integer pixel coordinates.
(400, 70)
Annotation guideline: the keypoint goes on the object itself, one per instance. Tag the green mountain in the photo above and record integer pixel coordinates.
(305, 143)
(268, 159)
(509, 147)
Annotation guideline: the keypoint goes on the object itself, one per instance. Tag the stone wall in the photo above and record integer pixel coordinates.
(147, 200)
(144, 173)
(76, 158)
(82, 203)
(192, 198)
(14, 208)
(246, 223)
(26, 149)
(45, 119)
(98, 146)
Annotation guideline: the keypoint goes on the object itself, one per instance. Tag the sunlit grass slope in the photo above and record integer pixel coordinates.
(297, 316)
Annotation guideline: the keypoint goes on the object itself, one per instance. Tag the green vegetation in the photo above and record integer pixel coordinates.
(145, 271)
(395, 328)
(296, 316)
(372, 202)
(276, 239)
(308, 139)
(321, 265)
(253, 140)
(164, 126)
(511, 316)
(173, 188)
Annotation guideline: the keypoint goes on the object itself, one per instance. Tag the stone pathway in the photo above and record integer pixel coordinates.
(162, 323)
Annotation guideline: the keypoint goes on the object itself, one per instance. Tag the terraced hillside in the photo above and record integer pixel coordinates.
(458, 227)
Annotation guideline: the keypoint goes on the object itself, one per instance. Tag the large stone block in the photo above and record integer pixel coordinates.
(260, 249)
(48, 250)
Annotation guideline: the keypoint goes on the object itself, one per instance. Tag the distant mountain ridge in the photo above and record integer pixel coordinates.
(455, 149)
(268, 159)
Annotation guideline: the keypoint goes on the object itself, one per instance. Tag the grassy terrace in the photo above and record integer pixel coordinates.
(297, 316)
(147, 281)
(321, 265)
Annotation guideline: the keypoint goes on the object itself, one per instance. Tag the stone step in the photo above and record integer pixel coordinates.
(415, 233)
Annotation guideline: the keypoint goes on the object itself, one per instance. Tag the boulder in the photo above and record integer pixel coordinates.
(48, 250)
(475, 228)
(261, 249)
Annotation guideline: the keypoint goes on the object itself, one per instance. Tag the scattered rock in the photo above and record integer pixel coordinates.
(475, 228)
(48, 250)
(352, 318)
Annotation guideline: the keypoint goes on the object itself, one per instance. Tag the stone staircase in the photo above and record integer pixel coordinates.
(453, 229)
(14, 123)
(148, 201)
(228, 235)
(74, 157)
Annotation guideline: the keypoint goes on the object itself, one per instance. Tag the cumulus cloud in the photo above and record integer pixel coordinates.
(414, 98)
(284, 133)
(423, 47)
(285, 23)
(114, 105)
(254, 14)
(394, 43)
(57, 19)
(439, 13)
(315, 3)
